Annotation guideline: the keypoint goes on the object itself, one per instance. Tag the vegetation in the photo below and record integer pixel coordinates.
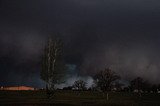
(52, 65)
(137, 83)
(104, 79)
(80, 85)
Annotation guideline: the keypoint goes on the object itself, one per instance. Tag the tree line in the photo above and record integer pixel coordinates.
(53, 71)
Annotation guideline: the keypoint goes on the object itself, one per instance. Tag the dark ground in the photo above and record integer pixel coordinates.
(73, 98)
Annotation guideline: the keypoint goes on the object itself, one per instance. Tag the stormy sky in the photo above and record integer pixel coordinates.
(121, 34)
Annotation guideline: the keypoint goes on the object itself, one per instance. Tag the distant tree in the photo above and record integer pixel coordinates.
(154, 88)
(126, 89)
(104, 79)
(94, 87)
(137, 84)
(146, 86)
(80, 85)
(53, 66)
(68, 88)
(118, 85)
(158, 86)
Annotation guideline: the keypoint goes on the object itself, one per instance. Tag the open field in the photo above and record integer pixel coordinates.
(73, 98)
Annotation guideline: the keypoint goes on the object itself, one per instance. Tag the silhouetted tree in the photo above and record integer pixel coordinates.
(104, 79)
(80, 85)
(52, 65)
(159, 86)
(154, 88)
(146, 86)
(68, 88)
(137, 84)
(118, 85)
(126, 89)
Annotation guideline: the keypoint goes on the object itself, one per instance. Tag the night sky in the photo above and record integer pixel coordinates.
(121, 34)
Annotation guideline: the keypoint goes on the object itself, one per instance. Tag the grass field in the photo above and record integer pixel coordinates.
(73, 98)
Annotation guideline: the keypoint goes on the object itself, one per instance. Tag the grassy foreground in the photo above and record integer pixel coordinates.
(73, 98)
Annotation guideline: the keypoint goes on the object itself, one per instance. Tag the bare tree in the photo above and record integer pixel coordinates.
(80, 85)
(52, 65)
(137, 84)
(105, 78)
(118, 85)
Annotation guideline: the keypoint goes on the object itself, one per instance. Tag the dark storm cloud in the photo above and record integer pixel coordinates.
(122, 34)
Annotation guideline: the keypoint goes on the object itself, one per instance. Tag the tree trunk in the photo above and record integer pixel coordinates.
(103, 94)
(107, 96)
